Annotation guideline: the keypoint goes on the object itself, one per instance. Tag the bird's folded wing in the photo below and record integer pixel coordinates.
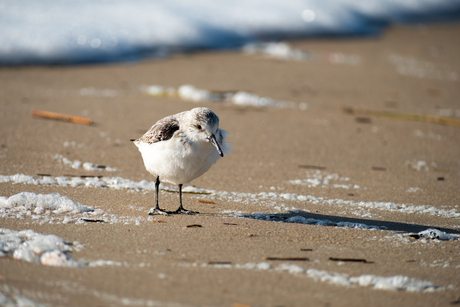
(163, 130)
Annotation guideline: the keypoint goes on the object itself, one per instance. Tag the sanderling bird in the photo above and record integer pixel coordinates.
(180, 148)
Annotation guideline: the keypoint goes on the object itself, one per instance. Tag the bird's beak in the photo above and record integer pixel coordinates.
(213, 141)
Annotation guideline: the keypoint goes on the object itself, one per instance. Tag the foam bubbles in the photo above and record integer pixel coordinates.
(397, 282)
(278, 50)
(76, 164)
(30, 246)
(433, 233)
(57, 258)
(308, 15)
(38, 203)
(322, 179)
(51, 250)
(56, 209)
(191, 93)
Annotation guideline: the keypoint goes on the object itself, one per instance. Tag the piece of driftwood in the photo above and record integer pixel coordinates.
(64, 117)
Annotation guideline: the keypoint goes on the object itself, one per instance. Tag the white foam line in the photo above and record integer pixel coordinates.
(393, 207)
(397, 282)
(41, 202)
(54, 209)
(95, 182)
(277, 50)
(188, 92)
(76, 164)
(271, 199)
(323, 179)
(283, 51)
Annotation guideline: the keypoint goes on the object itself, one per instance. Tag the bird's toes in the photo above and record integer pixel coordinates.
(154, 211)
(184, 211)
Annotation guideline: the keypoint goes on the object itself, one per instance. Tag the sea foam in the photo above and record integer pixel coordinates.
(53, 31)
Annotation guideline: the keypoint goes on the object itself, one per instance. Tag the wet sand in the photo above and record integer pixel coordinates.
(409, 70)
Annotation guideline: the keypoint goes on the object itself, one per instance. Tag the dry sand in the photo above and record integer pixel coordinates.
(167, 264)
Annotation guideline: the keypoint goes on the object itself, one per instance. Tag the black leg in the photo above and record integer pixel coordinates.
(181, 208)
(157, 188)
(156, 209)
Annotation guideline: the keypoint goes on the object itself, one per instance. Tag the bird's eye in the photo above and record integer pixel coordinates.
(199, 127)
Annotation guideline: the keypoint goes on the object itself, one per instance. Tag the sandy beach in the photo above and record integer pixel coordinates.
(310, 203)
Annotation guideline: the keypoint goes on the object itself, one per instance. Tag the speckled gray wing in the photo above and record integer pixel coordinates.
(163, 130)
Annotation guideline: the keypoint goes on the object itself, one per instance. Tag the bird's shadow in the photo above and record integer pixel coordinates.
(302, 217)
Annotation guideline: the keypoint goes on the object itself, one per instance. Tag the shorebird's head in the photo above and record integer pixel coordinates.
(205, 126)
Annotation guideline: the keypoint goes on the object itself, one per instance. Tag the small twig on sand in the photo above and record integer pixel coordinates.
(194, 226)
(312, 167)
(350, 260)
(206, 202)
(286, 259)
